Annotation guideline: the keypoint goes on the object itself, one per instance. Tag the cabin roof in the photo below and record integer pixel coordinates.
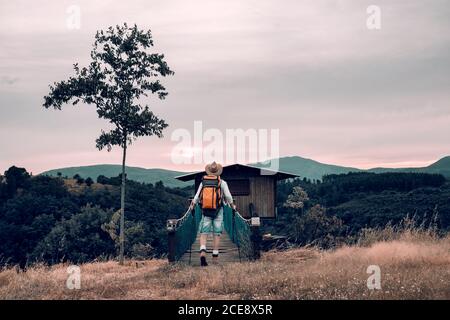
(252, 170)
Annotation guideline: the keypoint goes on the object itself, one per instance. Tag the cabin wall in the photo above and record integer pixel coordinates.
(262, 195)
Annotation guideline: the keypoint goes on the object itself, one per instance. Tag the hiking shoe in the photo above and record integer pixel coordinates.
(215, 259)
(203, 262)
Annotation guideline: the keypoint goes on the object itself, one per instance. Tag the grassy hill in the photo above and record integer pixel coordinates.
(133, 173)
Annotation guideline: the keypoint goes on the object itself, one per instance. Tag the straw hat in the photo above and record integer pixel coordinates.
(214, 169)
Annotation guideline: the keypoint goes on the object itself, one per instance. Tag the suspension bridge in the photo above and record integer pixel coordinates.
(239, 242)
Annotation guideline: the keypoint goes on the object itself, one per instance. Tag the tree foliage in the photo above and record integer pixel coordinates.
(77, 239)
(363, 200)
(297, 199)
(121, 71)
(44, 221)
(318, 228)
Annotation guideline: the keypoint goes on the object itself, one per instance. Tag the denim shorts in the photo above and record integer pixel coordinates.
(208, 224)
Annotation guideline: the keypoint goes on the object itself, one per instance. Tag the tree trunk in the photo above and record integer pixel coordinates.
(122, 206)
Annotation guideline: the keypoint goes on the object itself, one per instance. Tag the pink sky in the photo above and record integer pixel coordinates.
(338, 92)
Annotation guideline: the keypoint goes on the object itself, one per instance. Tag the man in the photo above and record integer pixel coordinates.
(212, 219)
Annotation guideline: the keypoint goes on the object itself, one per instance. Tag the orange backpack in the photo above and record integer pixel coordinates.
(211, 196)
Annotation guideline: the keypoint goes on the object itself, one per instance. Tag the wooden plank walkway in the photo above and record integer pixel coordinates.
(228, 251)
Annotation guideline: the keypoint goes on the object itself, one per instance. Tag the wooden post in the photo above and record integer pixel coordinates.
(251, 210)
(255, 238)
(171, 240)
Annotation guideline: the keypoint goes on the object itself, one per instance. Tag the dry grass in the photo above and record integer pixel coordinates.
(73, 187)
(411, 268)
(409, 229)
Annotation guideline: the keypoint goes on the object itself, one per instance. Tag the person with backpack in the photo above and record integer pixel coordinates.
(212, 194)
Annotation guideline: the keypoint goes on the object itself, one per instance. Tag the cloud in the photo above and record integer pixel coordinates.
(8, 80)
(338, 91)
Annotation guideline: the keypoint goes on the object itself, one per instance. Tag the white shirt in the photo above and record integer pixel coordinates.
(225, 193)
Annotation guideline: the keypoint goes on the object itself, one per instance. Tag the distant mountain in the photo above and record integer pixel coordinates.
(309, 168)
(442, 166)
(303, 167)
(312, 169)
(133, 173)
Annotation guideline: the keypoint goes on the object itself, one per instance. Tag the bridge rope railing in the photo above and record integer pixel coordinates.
(243, 232)
(182, 233)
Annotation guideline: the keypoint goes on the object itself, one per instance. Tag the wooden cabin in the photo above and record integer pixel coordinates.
(253, 189)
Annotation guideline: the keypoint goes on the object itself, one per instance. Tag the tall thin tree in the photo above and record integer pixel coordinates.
(120, 72)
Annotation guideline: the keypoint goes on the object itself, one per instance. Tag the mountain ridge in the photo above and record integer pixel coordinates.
(138, 174)
(313, 169)
(304, 167)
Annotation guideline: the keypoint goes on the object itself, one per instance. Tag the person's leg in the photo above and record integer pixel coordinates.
(216, 242)
(218, 227)
(203, 238)
(205, 228)
(215, 253)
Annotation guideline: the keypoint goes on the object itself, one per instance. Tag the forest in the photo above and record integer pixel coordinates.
(54, 219)
(57, 219)
(340, 207)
